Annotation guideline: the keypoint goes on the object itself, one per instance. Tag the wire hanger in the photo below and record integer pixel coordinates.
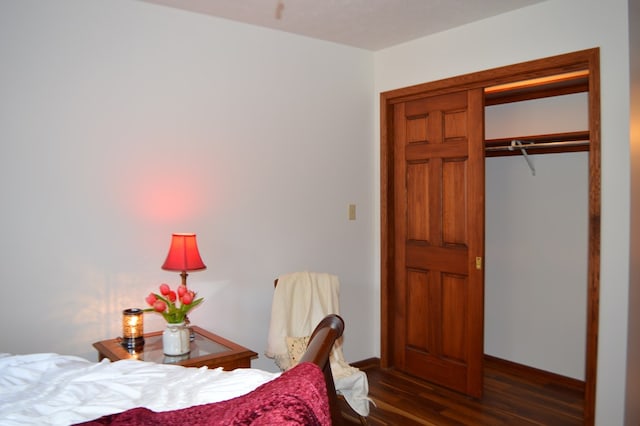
(516, 144)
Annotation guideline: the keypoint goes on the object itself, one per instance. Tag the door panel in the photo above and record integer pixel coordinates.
(418, 334)
(454, 215)
(454, 311)
(438, 147)
(418, 198)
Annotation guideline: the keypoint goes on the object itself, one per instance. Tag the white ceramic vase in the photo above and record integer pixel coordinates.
(175, 339)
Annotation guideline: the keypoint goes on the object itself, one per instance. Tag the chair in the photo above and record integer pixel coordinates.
(300, 301)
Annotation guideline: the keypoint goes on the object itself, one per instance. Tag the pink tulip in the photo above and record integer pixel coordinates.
(182, 290)
(151, 299)
(164, 289)
(171, 296)
(159, 306)
(187, 298)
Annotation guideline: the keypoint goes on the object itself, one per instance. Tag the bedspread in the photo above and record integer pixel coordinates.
(298, 397)
(52, 389)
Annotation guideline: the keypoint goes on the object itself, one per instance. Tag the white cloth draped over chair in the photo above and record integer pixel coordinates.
(300, 301)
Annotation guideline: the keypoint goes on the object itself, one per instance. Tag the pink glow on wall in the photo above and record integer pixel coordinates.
(168, 198)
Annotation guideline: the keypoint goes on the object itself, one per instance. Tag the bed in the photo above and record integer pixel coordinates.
(62, 390)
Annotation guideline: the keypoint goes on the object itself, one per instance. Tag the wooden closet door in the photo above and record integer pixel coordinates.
(439, 229)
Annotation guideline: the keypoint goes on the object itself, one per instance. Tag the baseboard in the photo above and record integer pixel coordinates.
(534, 373)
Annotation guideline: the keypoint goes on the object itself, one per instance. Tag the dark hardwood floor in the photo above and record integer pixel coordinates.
(513, 395)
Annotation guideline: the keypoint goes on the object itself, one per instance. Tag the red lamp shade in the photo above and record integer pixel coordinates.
(183, 254)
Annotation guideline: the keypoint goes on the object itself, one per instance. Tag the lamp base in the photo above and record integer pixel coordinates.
(130, 343)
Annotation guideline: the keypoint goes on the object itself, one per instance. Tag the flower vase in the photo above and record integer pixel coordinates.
(175, 339)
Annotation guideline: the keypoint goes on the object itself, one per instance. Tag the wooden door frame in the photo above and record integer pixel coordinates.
(582, 60)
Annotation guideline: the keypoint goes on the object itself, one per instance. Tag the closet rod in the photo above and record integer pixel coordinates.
(530, 145)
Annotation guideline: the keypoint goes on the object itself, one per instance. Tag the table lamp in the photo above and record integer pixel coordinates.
(184, 256)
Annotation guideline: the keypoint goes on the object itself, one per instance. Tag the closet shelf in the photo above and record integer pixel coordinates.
(544, 87)
(539, 144)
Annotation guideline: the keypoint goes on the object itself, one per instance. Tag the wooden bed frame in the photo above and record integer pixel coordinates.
(320, 344)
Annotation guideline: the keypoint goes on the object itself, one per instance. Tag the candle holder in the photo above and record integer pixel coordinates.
(132, 329)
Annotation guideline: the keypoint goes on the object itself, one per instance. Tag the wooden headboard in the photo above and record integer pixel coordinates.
(322, 339)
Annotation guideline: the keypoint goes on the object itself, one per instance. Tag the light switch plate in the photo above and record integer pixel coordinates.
(352, 212)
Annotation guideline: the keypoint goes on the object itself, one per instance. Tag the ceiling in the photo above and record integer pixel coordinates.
(368, 24)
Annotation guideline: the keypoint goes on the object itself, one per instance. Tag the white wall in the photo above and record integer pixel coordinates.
(550, 28)
(536, 240)
(122, 122)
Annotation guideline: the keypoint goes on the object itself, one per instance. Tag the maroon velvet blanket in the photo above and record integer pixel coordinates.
(297, 397)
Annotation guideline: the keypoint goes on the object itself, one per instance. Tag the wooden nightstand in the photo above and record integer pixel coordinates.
(207, 349)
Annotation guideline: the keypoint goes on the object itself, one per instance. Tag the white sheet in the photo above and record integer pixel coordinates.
(52, 389)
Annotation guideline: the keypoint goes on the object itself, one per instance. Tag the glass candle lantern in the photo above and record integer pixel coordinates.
(132, 328)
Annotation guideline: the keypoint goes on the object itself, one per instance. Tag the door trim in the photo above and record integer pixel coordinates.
(582, 60)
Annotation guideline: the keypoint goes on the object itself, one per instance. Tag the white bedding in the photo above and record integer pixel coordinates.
(52, 389)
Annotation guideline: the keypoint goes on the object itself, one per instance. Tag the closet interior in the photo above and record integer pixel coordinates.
(536, 240)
